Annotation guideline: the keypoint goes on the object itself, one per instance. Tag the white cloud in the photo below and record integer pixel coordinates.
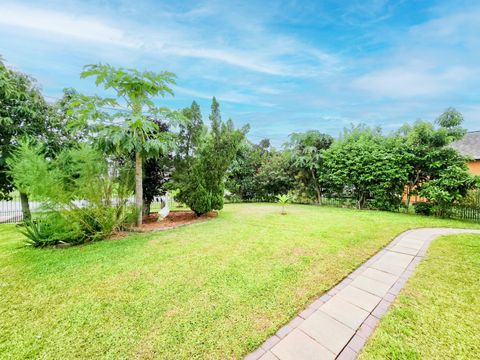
(436, 59)
(255, 50)
(408, 81)
(63, 25)
(227, 96)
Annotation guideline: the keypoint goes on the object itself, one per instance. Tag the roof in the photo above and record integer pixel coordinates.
(469, 145)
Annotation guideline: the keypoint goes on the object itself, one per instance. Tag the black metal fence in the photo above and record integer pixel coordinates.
(464, 212)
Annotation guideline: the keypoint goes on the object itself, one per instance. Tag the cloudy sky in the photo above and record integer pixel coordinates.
(281, 66)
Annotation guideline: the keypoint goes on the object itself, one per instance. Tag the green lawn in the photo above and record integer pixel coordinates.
(215, 289)
(437, 314)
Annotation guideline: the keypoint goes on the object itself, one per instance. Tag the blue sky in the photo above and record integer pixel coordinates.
(281, 66)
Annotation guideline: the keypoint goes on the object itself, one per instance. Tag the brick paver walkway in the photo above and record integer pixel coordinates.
(337, 325)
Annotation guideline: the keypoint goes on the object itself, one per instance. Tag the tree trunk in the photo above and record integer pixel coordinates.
(27, 215)
(319, 195)
(360, 200)
(408, 198)
(138, 187)
(317, 188)
(146, 207)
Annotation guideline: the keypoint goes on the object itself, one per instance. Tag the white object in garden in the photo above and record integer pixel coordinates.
(163, 212)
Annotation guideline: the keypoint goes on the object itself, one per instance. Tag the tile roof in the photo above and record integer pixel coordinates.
(469, 145)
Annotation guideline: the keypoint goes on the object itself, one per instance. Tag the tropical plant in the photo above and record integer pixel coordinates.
(283, 200)
(131, 131)
(51, 229)
(78, 192)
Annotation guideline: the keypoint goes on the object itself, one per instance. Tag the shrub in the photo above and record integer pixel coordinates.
(423, 208)
(51, 229)
(84, 198)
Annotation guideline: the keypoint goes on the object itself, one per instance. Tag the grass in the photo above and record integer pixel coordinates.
(437, 313)
(215, 289)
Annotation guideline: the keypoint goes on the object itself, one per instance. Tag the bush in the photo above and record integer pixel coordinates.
(86, 200)
(201, 179)
(424, 208)
(98, 222)
(51, 229)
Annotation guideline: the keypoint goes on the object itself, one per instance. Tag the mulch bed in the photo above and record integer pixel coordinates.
(173, 220)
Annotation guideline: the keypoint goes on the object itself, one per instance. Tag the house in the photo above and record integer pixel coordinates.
(469, 146)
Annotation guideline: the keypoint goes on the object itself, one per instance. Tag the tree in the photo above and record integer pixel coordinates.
(202, 186)
(157, 172)
(131, 131)
(23, 113)
(191, 130)
(427, 148)
(306, 152)
(275, 176)
(369, 166)
(241, 178)
(451, 185)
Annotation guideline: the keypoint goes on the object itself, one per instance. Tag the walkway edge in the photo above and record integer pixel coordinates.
(338, 324)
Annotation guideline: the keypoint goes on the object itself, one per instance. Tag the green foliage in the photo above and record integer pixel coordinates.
(363, 164)
(201, 176)
(472, 198)
(77, 191)
(23, 112)
(306, 152)
(124, 133)
(157, 172)
(368, 165)
(51, 229)
(283, 200)
(242, 178)
(450, 186)
(275, 176)
(428, 154)
(199, 201)
(423, 208)
(191, 130)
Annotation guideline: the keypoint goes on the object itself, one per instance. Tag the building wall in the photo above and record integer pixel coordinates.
(474, 167)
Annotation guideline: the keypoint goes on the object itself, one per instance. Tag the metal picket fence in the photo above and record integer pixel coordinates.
(11, 210)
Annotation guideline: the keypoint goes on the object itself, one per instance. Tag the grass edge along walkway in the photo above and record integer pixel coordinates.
(338, 324)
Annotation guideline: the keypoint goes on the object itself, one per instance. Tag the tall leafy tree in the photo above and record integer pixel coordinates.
(243, 171)
(130, 131)
(23, 113)
(191, 131)
(369, 166)
(306, 151)
(275, 176)
(203, 188)
(426, 146)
